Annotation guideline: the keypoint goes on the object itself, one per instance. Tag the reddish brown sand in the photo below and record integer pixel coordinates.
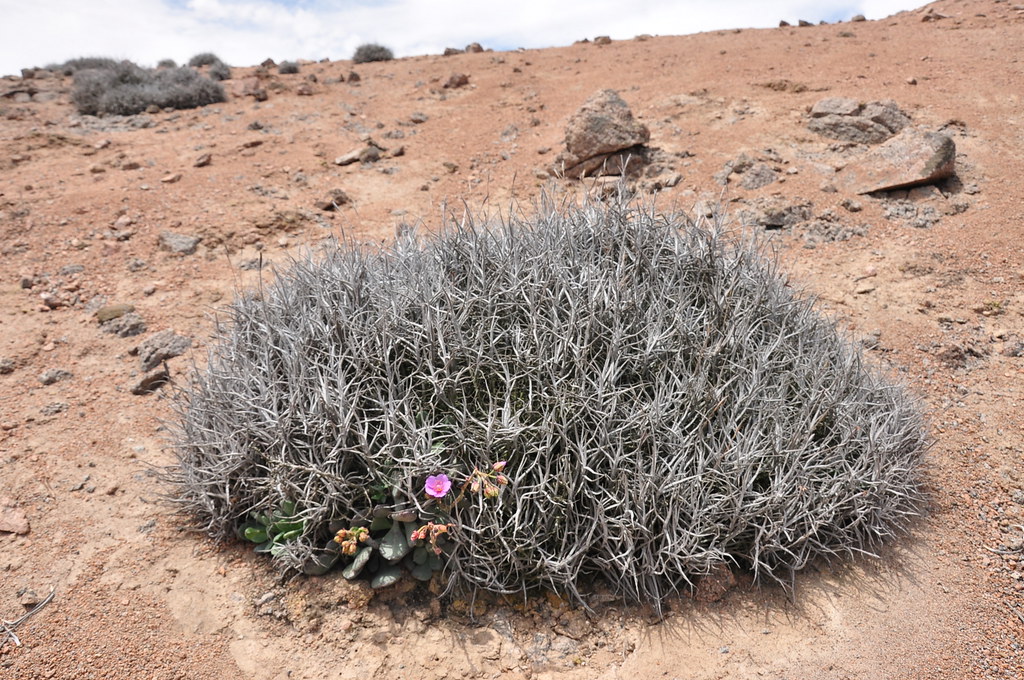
(137, 598)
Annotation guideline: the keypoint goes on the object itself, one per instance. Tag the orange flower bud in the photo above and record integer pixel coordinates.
(499, 466)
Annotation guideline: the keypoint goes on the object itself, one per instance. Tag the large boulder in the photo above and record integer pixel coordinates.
(849, 120)
(602, 138)
(911, 158)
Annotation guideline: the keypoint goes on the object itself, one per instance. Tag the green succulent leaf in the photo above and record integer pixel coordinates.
(394, 545)
(421, 572)
(320, 564)
(420, 555)
(388, 575)
(265, 547)
(380, 524)
(256, 534)
(287, 536)
(360, 560)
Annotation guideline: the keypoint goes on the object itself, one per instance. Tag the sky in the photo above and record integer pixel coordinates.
(245, 32)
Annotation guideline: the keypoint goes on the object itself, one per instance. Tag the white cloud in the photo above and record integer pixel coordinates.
(244, 32)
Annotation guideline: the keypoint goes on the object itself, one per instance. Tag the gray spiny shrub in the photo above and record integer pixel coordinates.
(126, 89)
(372, 52)
(664, 400)
(204, 59)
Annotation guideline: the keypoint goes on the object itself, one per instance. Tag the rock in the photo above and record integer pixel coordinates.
(12, 520)
(108, 312)
(452, 51)
(858, 17)
(268, 63)
(783, 23)
(849, 120)
(456, 80)
(179, 244)
(418, 117)
(713, 587)
(171, 178)
(353, 77)
(803, 22)
(603, 40)
(7, 365)
(125, 326)
(203, 160)
(911, 158)
(450, 167)
(53, 375)
(335, 199)
(603, 126)
(54, 407)
(365, 154)
(160, 347)
(760, 175)
(835, 106)
(152, 381)
(474, 48)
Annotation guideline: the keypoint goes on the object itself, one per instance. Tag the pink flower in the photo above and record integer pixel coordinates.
(438, 486)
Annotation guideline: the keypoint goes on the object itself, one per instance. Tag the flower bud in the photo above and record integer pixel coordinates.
(499, 466)
(474, 486)
(491, 491)
(501, 479)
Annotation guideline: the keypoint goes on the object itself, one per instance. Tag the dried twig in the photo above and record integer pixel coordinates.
(9, 627)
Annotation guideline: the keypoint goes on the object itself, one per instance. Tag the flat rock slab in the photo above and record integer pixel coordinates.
(910, 158)
(12, 520)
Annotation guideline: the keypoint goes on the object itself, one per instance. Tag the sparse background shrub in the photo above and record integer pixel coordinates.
(204, 59)
(372, 52)
(664, 401)
(124, 88)
(219, 71)
(167, 63)
(286, 67)
(71, 66)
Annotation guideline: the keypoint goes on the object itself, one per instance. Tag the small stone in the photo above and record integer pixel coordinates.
(130, 165)
(450, 167)
(474, 48)
(160, 347)
(858, 17)
(456, 80)
(335, 199)
(203, 160)
(603, 40)
(911, 81)
(29, 599)
(179, 244)
(7, 365)
(108, 312)
(418, 117)
(151, 381)
(54, 407)
(353, 77)
(53, 375)
(714, 586)
(171, 178)
(12, 520)
(125, 326)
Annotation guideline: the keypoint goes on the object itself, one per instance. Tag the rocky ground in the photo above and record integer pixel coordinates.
(121, 237)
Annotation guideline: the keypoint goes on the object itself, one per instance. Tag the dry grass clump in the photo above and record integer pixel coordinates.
(664, 400)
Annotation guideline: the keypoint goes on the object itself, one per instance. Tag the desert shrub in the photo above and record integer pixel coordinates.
(219, 71)
(167, 63)
(664, 401)
(372, 52)
(126, 89)
(286, 67)
(204, 59)
(71, 66)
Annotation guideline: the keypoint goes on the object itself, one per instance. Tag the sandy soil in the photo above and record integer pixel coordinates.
(83, 202)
